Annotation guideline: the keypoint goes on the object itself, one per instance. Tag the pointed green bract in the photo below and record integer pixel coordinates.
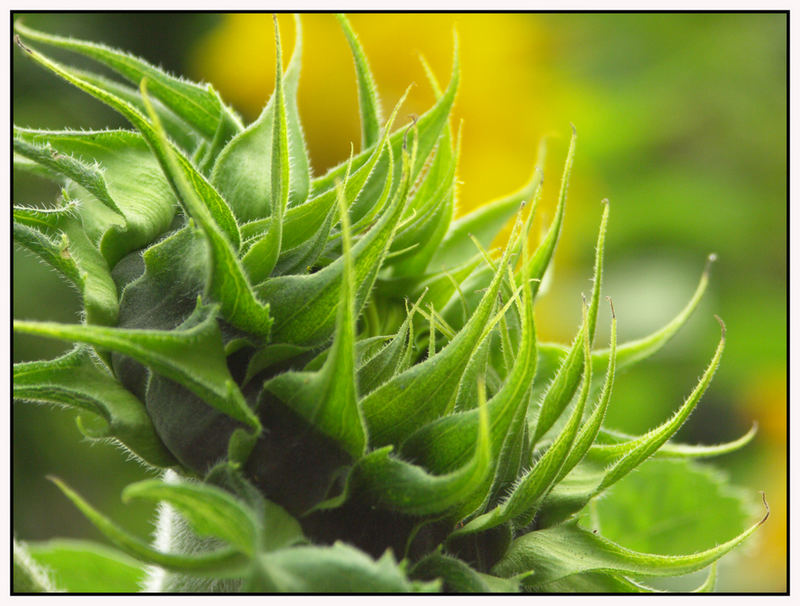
(29, 575)
(424, 391)
(86, 567)
(621, 443)
(383, 365)
(642, 448)
(211, 511)
(591, 426)
(191, 356)
(124, 176)
(242, 173)
(328, 398)
(393, 483)
(223, 562)
(485, 222)
(447, 442)
(563, 387)
(304, 306)
(228, 283)
(555, 553)
(53, 253)
(199, 106)
(369, 102)
(429, 127)
(534, 485)
(78, 382)
(260, 259)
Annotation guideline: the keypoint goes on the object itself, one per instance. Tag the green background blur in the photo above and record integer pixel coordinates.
(681, 120)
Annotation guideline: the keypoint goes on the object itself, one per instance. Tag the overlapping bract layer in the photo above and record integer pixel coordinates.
(252, 328)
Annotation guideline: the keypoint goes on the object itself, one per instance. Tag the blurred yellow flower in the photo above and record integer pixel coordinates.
(503, 72)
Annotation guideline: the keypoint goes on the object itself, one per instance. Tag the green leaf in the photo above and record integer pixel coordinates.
(672, 507)
(335, 569)
(558, 552)
(191, 355)
(592, 582)
(198, 105)
(210, 510)
(28, 575)
(86, 567)
(368, 100)
(76, 381)
(329, 398)
(221, 563)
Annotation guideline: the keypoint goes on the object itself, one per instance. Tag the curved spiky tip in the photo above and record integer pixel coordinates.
(710, 259)
(766, 507)
(574, 130)
(604, 201)
(721, 323)
(408, 128)
(21, 45)
(611, 303)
